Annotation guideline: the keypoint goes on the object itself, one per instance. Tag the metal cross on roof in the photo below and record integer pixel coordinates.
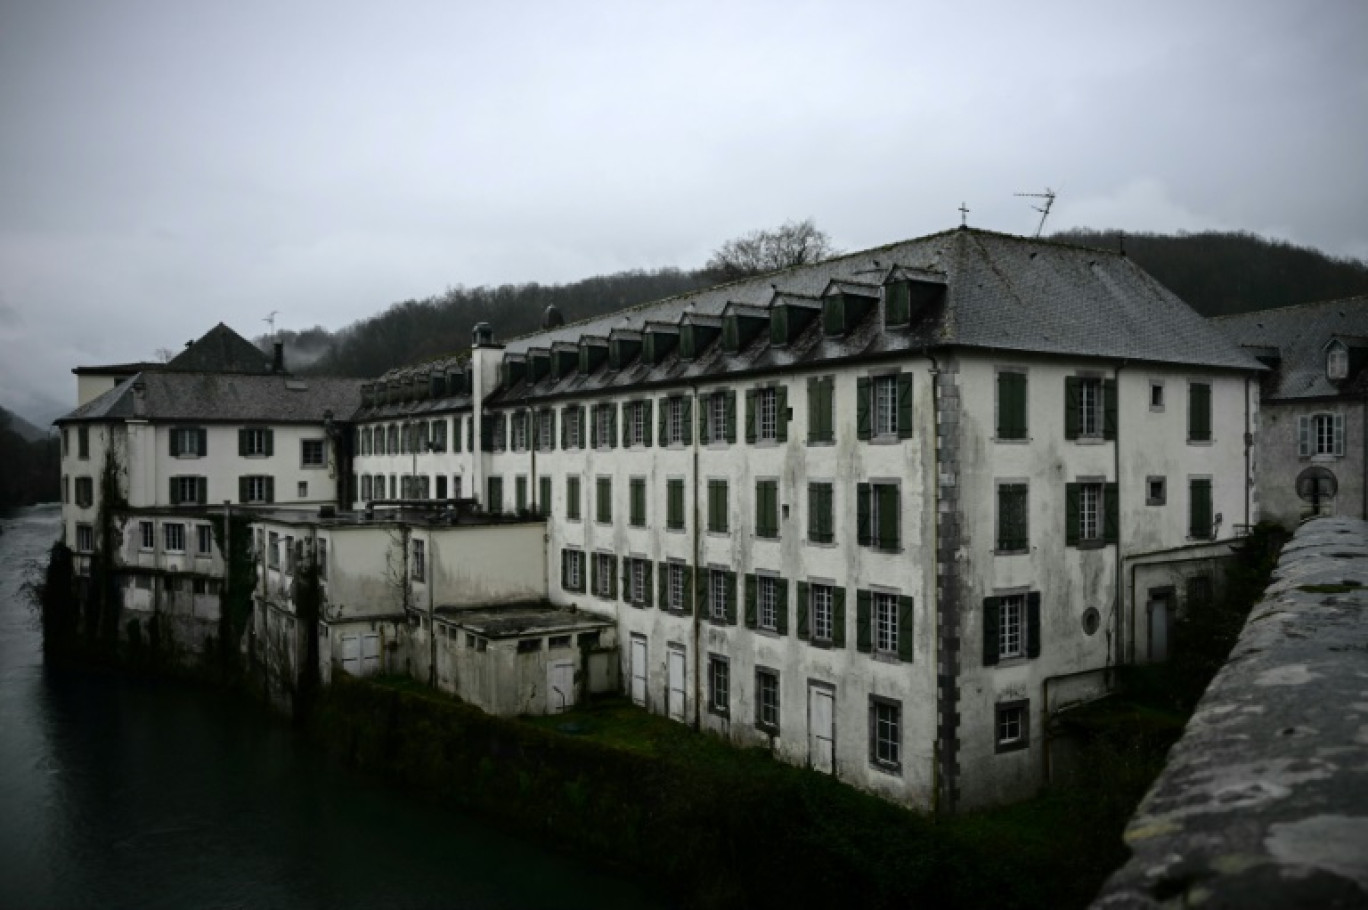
(964, 215)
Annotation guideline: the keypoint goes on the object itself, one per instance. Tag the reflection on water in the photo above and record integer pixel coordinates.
(120, 793)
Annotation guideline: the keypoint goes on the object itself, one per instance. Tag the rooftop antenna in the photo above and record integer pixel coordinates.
(1044, 210)
(270, 320)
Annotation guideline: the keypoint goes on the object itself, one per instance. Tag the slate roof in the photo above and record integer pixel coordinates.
(1003, 292)
(223, 398)
(1298, 336)
(221, 350)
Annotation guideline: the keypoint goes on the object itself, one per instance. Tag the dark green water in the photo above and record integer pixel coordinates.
(118, 793)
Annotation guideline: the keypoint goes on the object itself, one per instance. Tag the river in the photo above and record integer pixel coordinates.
(123, 793)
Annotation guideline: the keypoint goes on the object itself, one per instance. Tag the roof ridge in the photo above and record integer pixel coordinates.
(1291, 306)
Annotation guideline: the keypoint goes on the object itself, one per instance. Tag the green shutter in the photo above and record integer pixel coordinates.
(663, 430)
(814, 387)
(544, 497)
(781, 594)
(613, 425)
(731, 597)
(1199, 412)
(1199, 493)
(864, 637)
(242, 442)
(862, 529)
(270, 488)
(202, 491)
(1033, 624)
(612, 577)
(750, 415)
(593, 428)
(990, 631)
(242, 488)
(703, 429)
(829, 408)
(779, 325)
(897, 303)
(731, 415)
(686, 419)
(594, 572)
(905, 617)
(689, 603)
(1109, 409)
(175, 441)
(627, 580)
(904, 405)
(1073, 404)
(565, 569)
(826, 525)
(750, 601)
(890, 515)
(802, 622)
(838, 623)
(1111, 508)
(1071, 510)
(833, 316)
(270, 442)
(781, 415)
(647, 586)
(663, 584)
(862, 428)
(171, 497)
(1011, 417)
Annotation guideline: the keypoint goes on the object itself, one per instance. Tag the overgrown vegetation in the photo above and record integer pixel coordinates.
(233, 538)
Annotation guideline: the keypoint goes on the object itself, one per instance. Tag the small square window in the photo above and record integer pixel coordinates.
(1156, 401)
(1156, 491)
(1012, 726)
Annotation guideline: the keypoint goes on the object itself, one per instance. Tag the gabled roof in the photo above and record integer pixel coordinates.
(1002, 292)
(222, 398)
(221, 350)
(1300, 335)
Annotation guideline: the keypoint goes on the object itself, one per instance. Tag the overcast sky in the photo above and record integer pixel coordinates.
(166, 165)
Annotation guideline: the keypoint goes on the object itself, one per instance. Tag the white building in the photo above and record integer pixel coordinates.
(883, 514)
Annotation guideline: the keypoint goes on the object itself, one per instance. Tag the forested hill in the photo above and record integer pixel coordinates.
(1223, 273)
(31, 466)
(1217, 273)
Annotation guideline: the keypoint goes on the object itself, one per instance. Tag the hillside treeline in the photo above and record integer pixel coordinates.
(1220, 273)
(31, 468)
(1217, 273)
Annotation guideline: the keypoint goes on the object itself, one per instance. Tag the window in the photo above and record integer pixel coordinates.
(1011, 627)
(495, 500)
(392, 439)
(821, 408)
(1090, 513)
(823, 613)
(273, 551)
(441, 482)
(719, 682)
(883, 407)
(878, 515)
(767, 508)
(885, 734)
(546, 430)
(638, 423)
(85, 538)
(1200, 522)
(1155, 491)
(1336, 362)
(1199, 412)
(678, 587)
(189, 490)
(1012, 724)
(174, 537)
(455, 486)
(639, 582)
(605, 426)
(572, 498)
(499, 433)
(83, 442)
(520, 431)
(1011, 404)
(717, 506)
(1013, 518)
(675, 419)
(520, 493)
(820, 528)
(572, 569)
(637, 510)
(767, 700)
(721, 607)
(767, 415)
(419, 560)
(1156, 395)
(438, 435)
(674, 504)
(311, 453)
(256, 442)
(883, 624)
(605, 582)
(572, 427)
(204, 540)
(544, 496)
(302, 489)
(189, 442)
(603, 499)
(769, 603)
(719, 417)
(367, 488)
(1089, 407)
(85, 492)
(256, 489)
(147, 533)
(1320, 434)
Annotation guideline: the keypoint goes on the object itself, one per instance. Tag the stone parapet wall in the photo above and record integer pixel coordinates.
(1264, 800)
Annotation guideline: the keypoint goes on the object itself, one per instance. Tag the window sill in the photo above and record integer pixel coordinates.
(1322, 458)
(886, 440)
(1093, 544)
(886, 657)
(1201, 442)
(825, 544)
(714, 532)
(821, 442)
(187, 456)
(1156, 502)
(1091, 440)
(1013, 440)
(719, 712)
(312, 467)
(670, 529)
(766, 442)
(824, 644)
(886, 768)
(1015, 745)
(1015, 551)
(767, 632)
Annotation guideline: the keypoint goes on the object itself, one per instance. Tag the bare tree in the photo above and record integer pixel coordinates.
(792, 243)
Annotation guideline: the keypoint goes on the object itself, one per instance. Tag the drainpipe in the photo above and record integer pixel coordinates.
(933, 588)
(694, 434)
(1118, 600)
(1248, 448)
(431, 580)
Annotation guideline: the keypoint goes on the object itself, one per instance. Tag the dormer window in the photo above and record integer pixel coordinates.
(1336, 362)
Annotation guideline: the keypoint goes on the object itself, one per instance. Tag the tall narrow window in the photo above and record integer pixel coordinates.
(767, 700)
(879, 515)
(604, 500)
(819, 513)
(717, 506)
(1012, 533)
(821, 420)
(674, 504)
(572, 498)
(637, 516)
(767, 508)
(1199, 412)
(1200, 521)
(1011, 405)
(885, 735)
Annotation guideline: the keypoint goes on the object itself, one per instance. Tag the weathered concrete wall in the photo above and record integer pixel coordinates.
(1280, 463)
(1264, 801)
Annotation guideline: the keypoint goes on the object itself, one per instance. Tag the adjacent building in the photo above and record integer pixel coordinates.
(1312, 443)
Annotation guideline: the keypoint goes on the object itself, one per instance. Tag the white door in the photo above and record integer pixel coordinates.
(1159, 615)
(351, 655)
(676, 683)
(639, 669)
(370, 654)
(560, 686)
(821, 728)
